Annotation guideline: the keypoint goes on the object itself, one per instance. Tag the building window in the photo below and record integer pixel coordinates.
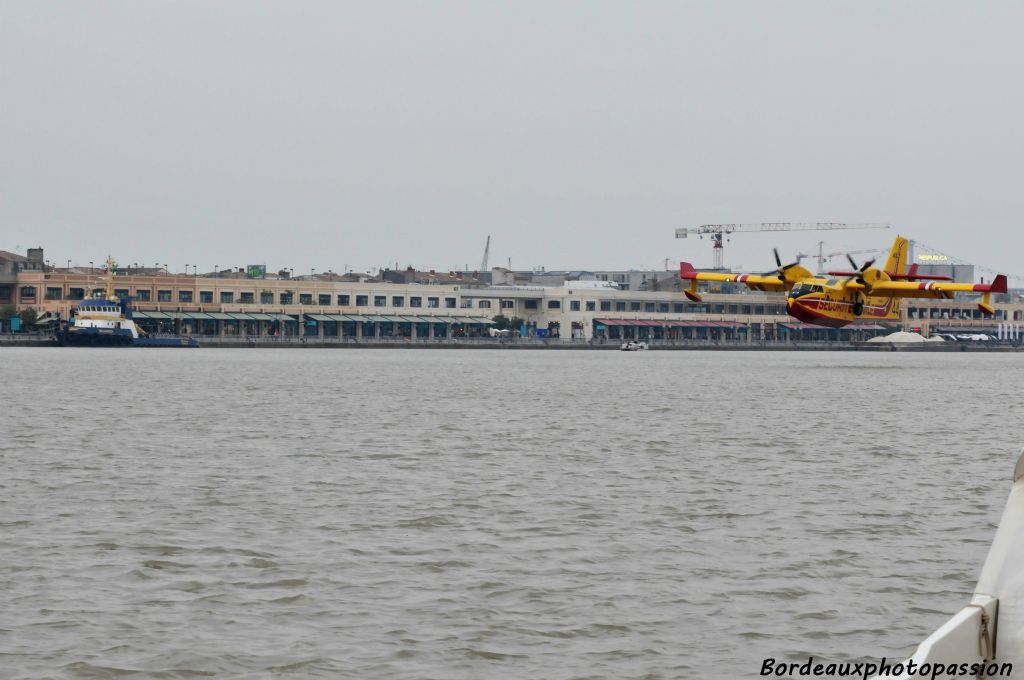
(433, 302)
(508, 304)
(634, 306)
(343, 300)
(450, 303)
(205, 296)
(397, 301)
(305, 298)
(606, 305)
(54, 293)
(28, 292)
(415, 302)
(380, 300)
(287, 297)
(663, 307)
(554, 304)
(530, 304)
(574, 305)
(163, 296)
(591, 305)
(76, 293)
(324, 299)
(362, 300)
(143, 294)
(484, 304)
(677, 308)
(266, 297)
(649, 306)
(184, 296)
(246, 298)
(227, 296)
(620, 306)
(119, 292)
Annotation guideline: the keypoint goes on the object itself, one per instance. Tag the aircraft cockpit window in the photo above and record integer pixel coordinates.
(804, 289)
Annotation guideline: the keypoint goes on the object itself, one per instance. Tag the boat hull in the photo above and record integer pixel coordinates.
(90, 337)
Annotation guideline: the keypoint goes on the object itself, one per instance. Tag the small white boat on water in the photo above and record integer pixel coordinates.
(633, 346)
(986, 638)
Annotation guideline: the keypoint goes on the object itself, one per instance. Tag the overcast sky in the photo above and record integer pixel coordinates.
(576, 134)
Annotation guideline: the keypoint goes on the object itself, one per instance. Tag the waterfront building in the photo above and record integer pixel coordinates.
(428, 305)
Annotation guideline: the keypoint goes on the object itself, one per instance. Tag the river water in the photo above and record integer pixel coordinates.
(489, 514)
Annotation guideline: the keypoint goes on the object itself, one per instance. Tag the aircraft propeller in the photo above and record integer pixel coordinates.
(859, 271)
(781, 270)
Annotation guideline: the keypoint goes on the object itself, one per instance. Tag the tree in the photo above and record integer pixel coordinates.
(8, 312)
(501, 322)
(28, 317)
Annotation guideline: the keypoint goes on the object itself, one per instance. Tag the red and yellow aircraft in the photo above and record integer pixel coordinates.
(840, 298)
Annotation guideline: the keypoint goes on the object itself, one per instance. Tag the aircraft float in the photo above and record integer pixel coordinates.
(842, 297)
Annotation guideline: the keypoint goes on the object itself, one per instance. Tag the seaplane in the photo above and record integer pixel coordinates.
(839, 298)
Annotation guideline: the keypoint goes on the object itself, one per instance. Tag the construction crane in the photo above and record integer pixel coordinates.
(487, 255)
(823, 257)
(717, 232)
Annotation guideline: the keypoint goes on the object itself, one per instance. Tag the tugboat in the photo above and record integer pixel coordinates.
(633, 346)
(107, 321)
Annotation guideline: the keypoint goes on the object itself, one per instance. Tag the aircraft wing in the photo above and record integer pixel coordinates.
(769, 282)
(935, 289)
(939, 289)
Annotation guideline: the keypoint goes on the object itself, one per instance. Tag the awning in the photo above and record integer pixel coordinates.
(319, 317)
(475, 320)
(153, 315)
(199, 316)
(358, 318)
(991, 330)
(241, 317)
(801, 325)
(261, 317)
(669, 323)
(429, 319)
(220, 316)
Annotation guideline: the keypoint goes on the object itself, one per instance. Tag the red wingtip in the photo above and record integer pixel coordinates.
(999, 284)
(686, 271)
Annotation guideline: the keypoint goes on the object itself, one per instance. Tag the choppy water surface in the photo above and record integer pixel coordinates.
(489, 514)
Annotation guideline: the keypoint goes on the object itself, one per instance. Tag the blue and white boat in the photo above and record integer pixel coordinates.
(107, 321)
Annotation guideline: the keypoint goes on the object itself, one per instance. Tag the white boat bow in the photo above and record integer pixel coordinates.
(987, 635)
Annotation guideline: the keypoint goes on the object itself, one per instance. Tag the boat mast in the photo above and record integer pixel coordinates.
(110, 278)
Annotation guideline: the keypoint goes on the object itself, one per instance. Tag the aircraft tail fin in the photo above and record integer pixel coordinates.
(688, 273)
(897, 262)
